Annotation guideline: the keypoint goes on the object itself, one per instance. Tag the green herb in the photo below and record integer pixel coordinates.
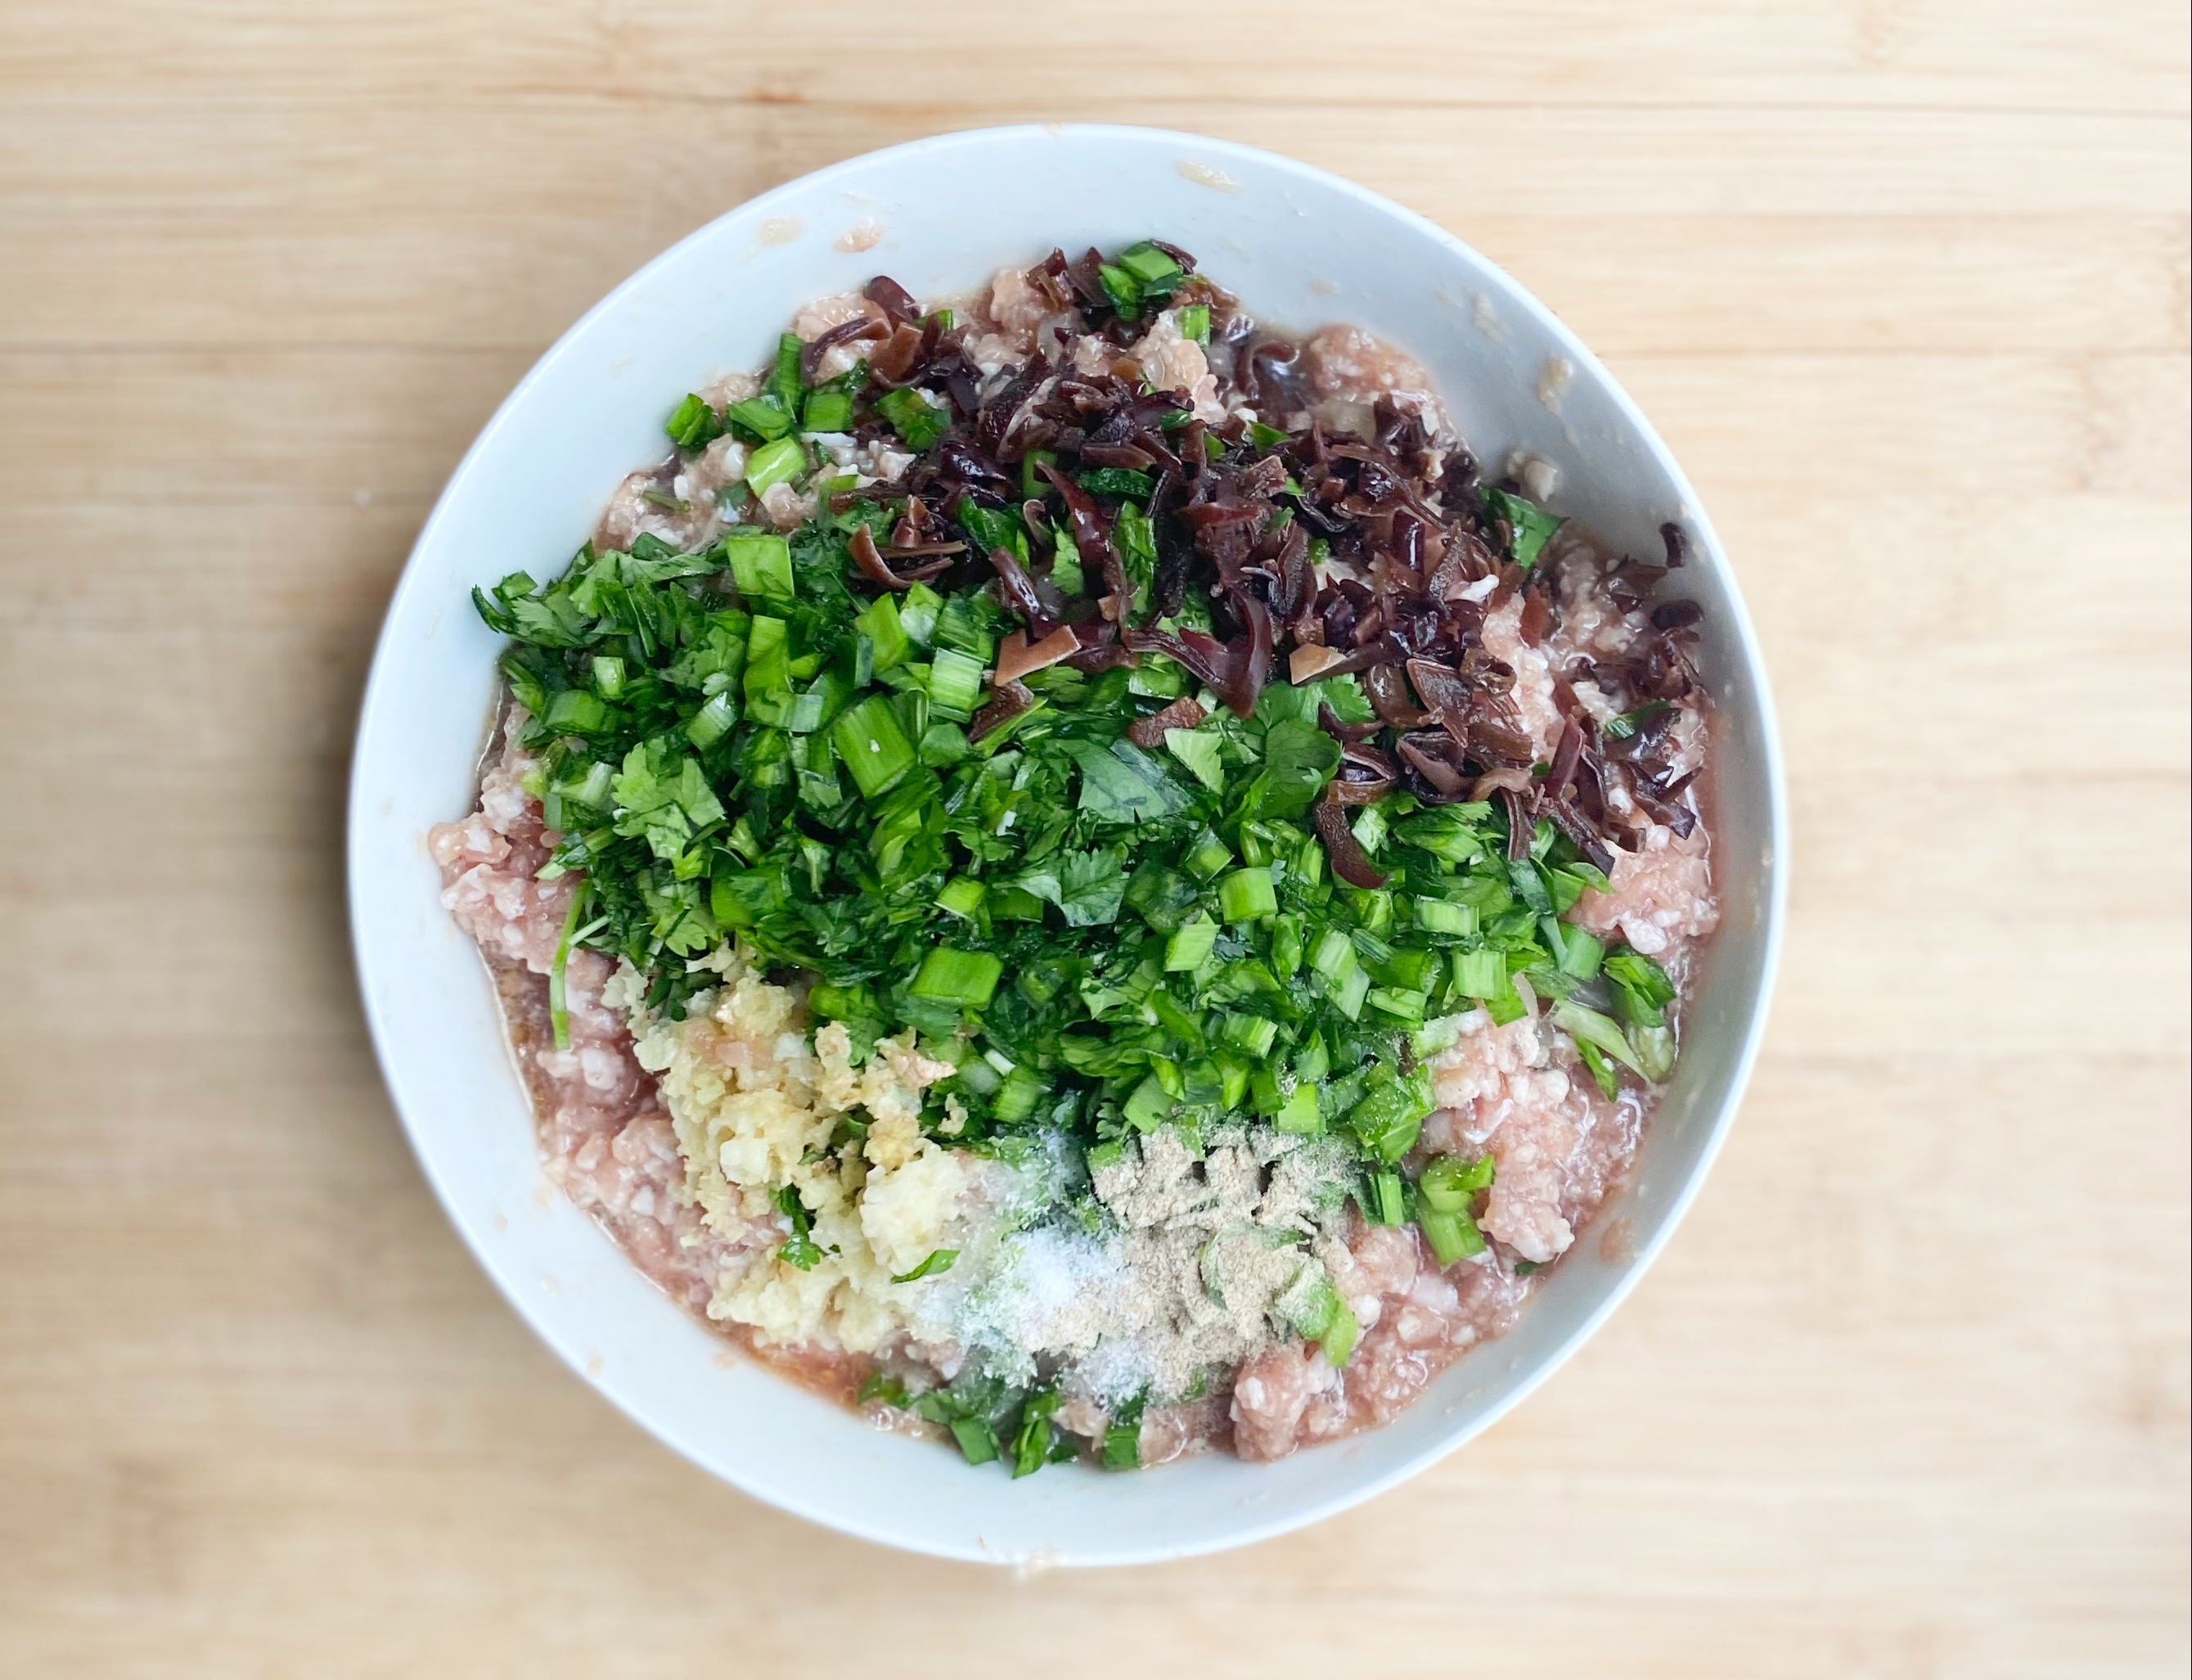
(1531, 525)
(911, 415)
(937, 1263)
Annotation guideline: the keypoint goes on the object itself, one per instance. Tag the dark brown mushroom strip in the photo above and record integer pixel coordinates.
(892, 299)
(1432, 769)
(1566, 755)
(1148, 733)
(1006, 701)
(1521, 831)
(858, 330)
(1020, 593)
(1676, 614)
(1389, 694)
(1206, 659)
(872, 565)
(894, 363)
(1585, 838)
(1340, 845)
(1090, 536)
(1439, 688)
(1345, 734)
(1537, 616)
(1678, 544)
(1252, 663)
(1509, 778)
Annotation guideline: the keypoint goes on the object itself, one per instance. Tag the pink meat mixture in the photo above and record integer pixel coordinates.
(605, 1140)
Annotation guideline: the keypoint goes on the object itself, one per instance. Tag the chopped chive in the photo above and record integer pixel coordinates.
(1440, 916)
(1191, 945)
(1386, 1203)
(762, 417)
(1209, 855)
(1195, 322)
(608, 676)
(1149, 1106)
(1452, 1234)
(1655, 1051)
(966, 978)
(712, 722)
(955, 685)
(911, 414)
(1252, 1033)
(1481, 974)
(826, 411)
(1449, 1184)
(774, 463)
(760, 564)
(1247, 895)
(1116, 481)
(873, 747)
(1300, 1114)
(1148, 264)
(1388, 1119)
(559, 1020)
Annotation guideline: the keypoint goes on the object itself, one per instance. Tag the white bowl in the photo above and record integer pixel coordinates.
(1301, 248)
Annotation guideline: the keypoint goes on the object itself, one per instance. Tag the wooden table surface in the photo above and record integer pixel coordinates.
(1904, 284)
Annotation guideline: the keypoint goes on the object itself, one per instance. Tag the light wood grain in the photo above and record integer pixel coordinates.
(1904, 282)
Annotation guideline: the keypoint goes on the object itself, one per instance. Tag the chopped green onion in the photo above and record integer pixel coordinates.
(1388, 1120)
(691, 424)
(1481, 974)
(576, 711)
(786, 381)
(1247, 895)
(1405, 1007)
(1440, 916)
(1195, 322)
(1252, 1033)
(911, 414)
(968, 978)
(872, 746)
(1191, 945)
(879, 622)
(1601, 1070)
(1386, 1203)
(760, 564)
(712, 722)
(1602, 1032)
(1579, 953)
(976, 1439)
(1033, 483)
(1116, 481)
(1300, 1114)
(1149, 1106)
(774, 463)
(826, 411)
(1148, 264)
(1332, 957)
(1655, 1051)
(608, 676)
(559, 1020)
(962, 898)
(1453, 1235)
(1209, 856)
(1449, 1184)
(955, 684)
(762, 417)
